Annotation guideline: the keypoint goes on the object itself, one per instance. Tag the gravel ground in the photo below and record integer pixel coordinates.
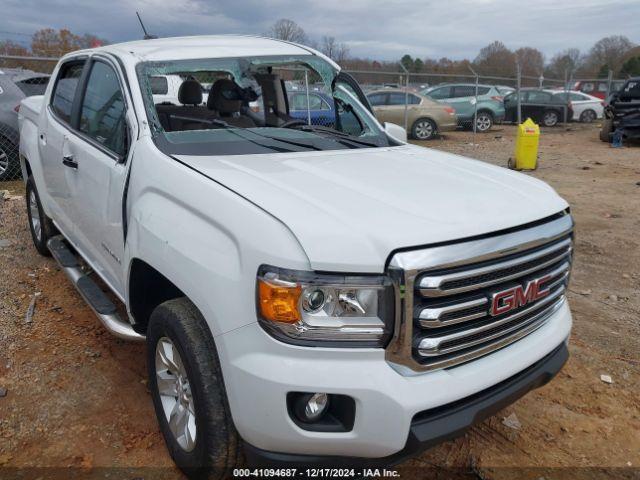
(77, 397)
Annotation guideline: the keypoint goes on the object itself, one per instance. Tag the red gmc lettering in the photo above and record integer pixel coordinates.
(507, 300)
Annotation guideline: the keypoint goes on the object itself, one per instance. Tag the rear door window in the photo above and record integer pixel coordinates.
(299, 102)
(102, 116)
(460, 91)
(397, 98)
(65, 90)
(440, 93)
(539, 97)
(377, 99)
(159, 85)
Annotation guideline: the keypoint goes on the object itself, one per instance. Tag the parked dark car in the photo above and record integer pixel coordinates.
(321, 107)
(622, 112)
(15, 84)
(542, 106)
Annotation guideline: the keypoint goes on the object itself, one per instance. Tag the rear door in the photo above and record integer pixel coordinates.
(101, 149)
(55, 130)
(396, 107)
(535, 104)
(463, 100)
(378, 101)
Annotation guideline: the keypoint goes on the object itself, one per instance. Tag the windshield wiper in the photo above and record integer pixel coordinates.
(336, 133)
(234, 130)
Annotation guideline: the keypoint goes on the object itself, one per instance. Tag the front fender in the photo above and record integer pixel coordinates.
(207, 240)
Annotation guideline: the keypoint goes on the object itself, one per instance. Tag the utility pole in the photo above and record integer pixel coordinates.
(406, 97)
(475, 105)
(519, 106)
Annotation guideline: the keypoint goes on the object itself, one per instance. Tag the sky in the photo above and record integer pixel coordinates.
(383, 30)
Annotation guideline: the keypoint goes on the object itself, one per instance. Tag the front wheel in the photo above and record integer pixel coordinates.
(605, 131)
(424, 129)
(484, 121)
(189, 396)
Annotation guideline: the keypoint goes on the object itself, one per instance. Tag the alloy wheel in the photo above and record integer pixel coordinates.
(483, 122)
(175, 393)
(588, 116)
(34, 213)
(550, 119)
(4, 161)
(424, 130)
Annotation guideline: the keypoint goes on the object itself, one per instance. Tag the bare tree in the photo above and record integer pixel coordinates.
(608, 53)
(495, 59)
(285, 29)
(336, 51)
(531, 61)
(568, 60)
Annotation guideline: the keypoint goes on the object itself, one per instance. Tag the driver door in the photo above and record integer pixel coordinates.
(101, 147)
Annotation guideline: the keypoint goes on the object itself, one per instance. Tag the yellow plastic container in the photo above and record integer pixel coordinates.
(526, 154)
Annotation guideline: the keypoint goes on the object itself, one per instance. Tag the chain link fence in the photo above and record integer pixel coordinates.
(426, 104)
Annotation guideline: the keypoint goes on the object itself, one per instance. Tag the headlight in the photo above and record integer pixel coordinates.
(307, 308)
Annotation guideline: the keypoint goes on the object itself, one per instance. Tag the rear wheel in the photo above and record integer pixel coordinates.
(424, 129)
(484, 121)
(40, 225)
(550, 118)
(605, 131)
(9, 165)
(188, 391)
(588, 116)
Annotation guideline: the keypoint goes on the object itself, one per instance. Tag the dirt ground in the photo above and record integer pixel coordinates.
(77, 397)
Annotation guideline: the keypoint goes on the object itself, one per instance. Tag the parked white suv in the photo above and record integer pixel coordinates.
(317, 295)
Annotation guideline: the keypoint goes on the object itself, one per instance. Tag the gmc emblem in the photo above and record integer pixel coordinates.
(516, 297)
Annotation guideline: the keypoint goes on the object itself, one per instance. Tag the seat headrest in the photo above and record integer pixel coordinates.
(190, 93)
(225, 96)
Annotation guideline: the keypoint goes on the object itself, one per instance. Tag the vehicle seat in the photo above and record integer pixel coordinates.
(225, 98)
(190, 98)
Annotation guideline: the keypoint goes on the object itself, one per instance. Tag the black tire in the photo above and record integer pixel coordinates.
(605, 131)
(43, 223)
(9, 159)
(424, 129)
(217, 448)
(550, 118)
(588, 116)
(484, 121)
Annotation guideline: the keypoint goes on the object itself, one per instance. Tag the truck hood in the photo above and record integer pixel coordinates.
(349, 209)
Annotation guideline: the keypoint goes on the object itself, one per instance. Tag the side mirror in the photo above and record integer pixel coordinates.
(395, 131)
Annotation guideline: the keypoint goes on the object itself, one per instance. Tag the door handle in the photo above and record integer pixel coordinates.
(43, 139)
(68, 161)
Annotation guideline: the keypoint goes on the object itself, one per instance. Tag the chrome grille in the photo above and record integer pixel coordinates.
(445, 294)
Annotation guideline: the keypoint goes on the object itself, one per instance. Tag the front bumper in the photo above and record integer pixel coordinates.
(393, 410)
(437, 425)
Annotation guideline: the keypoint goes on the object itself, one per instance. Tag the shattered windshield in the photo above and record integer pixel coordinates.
(244, 105)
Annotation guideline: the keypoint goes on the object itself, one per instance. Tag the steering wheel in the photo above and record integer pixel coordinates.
(292, 123)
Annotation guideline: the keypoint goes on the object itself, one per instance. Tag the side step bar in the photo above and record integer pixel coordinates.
(99, 302)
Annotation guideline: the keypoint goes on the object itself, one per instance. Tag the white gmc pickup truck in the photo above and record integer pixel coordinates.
(311, 293)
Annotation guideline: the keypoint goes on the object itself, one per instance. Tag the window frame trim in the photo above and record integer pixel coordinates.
(78, 98)
(73, 60)
(120, 158)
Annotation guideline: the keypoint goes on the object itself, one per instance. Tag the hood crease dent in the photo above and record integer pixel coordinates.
(349, 209)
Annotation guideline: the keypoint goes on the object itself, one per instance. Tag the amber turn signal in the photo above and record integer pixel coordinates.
(279, 303)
